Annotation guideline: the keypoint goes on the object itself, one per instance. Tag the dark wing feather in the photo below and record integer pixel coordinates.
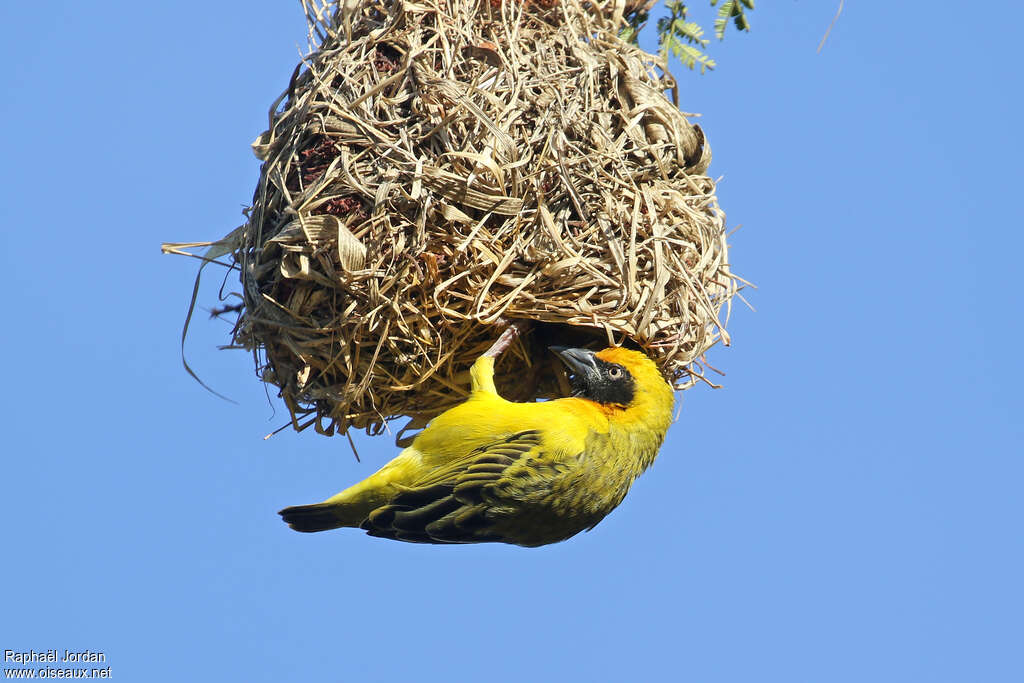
(463, 506)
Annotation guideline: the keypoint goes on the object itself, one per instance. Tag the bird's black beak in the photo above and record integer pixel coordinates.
(579, 361)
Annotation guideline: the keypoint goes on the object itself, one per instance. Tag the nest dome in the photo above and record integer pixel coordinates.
(436, 169)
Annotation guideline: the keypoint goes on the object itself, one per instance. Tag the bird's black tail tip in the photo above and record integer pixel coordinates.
(311, 518)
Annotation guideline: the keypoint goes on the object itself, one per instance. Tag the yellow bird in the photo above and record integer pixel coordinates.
(523, 473)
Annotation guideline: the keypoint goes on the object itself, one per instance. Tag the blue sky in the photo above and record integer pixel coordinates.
(847, 508)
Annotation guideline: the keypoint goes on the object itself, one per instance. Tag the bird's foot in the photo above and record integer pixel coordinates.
(514, 329)
(482, 372)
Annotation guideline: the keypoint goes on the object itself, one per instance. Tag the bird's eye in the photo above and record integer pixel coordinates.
(615, 372)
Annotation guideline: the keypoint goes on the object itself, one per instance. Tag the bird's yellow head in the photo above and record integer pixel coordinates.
(624, 382)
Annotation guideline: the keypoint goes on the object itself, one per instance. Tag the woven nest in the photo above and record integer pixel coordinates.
(437, 169)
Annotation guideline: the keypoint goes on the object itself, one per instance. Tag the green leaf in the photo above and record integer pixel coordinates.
(685, 39)
(636, 18)
(732, 9)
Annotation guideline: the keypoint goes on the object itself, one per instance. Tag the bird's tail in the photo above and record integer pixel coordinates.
(316, 517)
(351, 506)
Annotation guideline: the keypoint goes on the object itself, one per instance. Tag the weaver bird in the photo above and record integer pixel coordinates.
(523, 473)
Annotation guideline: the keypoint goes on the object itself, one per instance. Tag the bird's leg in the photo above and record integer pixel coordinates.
(482, 372)
(514, 329)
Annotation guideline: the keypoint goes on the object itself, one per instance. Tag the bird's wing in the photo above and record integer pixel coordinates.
(460, 502)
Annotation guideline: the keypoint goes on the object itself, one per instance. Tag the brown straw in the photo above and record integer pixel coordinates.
(438, 168)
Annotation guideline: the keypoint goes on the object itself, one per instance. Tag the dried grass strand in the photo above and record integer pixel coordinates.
(436, 169)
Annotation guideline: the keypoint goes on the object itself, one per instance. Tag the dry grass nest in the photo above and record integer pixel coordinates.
(437, 169)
